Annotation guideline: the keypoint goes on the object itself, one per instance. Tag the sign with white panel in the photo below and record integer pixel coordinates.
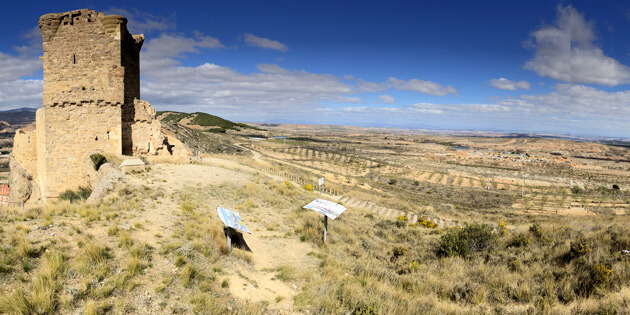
(326, 207)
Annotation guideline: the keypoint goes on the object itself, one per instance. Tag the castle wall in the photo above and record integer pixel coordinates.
(146, 130)
(86, 128)
(23, 164)
(91, 78)
(90, 104)
(25, 149)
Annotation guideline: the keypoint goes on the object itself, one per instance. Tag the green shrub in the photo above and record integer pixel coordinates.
(69, 195)
(397, 252)
(519, 240)
(466, 241)
(393, 181)
(74, 196)
(579, 247)
(84, 192)
(591, 277)
(576, 190)
(537, 231)
(98, 160)
(401, 221)
(365, 310)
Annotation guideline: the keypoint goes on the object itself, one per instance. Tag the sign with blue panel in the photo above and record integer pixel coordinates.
(231, 219)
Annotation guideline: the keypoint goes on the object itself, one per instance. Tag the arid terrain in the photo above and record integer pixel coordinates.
(435, 224)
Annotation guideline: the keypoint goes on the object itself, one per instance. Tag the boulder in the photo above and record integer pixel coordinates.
(23, 187)
(106, 180)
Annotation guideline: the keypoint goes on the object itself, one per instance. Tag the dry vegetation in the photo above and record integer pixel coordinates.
(558, 245)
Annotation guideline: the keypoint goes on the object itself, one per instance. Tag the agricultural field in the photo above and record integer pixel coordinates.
(435, 225)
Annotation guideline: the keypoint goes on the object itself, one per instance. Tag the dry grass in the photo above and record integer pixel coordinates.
(99, 261)
(386, 269)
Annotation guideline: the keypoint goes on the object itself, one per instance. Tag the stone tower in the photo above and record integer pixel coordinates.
(91, 100)
(91, 69)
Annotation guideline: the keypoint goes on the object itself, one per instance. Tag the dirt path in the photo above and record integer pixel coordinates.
(271, 244)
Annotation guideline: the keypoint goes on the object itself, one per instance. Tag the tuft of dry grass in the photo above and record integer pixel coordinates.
(42, 294)
(244, 255)
(125, 240)
(286, 273)
(189, 274)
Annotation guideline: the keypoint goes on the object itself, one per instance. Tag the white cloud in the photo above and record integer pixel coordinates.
(262, 42)
(566, 51)
(140, 22)
(212, 87)
(426, 108)
(574, 100)
(366, 86)
(387, 99)
(425, 87)
(17, 67)
(416, 85)
(34, 46)
(161, 52)
(21, 93)
(505, 84)
(461, 110)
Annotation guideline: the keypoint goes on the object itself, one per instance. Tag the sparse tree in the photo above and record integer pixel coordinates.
(543, 201)
(526, 203)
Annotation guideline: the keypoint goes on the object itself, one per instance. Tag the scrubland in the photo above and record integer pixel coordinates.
(156, 245)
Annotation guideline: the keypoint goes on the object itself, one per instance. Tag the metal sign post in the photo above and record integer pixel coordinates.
(325, 227)
(229, 239)
(320, 183)
(284, 142)
(328, 208)
(231, 220)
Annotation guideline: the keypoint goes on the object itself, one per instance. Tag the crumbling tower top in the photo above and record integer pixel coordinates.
(89, 58)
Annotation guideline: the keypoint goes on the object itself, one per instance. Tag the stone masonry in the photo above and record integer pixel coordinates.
(91, 102)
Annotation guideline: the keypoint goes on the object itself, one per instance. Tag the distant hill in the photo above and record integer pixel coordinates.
(202, 121)
(205, 133)
(14, 119)
(20, 116)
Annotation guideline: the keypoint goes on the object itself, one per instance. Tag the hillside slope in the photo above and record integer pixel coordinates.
(205, 133)
(203, 121)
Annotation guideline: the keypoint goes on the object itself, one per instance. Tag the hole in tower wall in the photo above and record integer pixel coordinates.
(74, 59)
(96, 139)
(108, 135)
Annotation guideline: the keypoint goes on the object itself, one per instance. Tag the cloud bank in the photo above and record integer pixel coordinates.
(566, 51)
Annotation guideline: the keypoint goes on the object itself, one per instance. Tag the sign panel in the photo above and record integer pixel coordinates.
(231, 219)
(321, 181)
(326, 207)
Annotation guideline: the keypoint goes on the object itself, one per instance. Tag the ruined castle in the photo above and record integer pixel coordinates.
(91, 103)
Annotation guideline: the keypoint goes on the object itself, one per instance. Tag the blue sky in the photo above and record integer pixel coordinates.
(531, 66)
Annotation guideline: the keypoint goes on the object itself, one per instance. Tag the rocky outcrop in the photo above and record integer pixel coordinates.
(23, 187)
(105, 181)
